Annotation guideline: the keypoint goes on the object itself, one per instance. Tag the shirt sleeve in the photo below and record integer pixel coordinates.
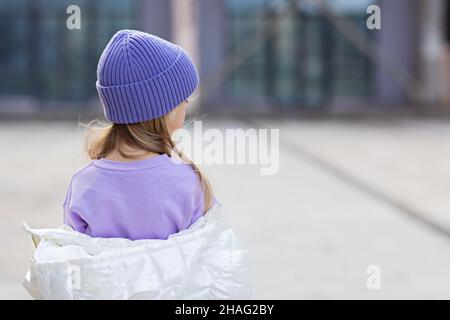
(198, 206)
(71, 217)
(197, 211)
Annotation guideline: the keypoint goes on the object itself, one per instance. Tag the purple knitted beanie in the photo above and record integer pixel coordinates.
(142, 77)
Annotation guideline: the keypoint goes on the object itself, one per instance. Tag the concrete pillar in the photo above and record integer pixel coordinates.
(185, 32)
(185, 26)
(397, 41)
(212, 45)
(445, 86)
(432, 48)
(154, 17)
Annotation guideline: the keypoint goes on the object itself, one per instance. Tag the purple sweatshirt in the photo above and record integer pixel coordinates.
(144, 199)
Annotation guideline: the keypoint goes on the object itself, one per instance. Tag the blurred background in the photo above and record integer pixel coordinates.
(363, 119)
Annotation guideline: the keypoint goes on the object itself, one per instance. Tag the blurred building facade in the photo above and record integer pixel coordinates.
(254, 54)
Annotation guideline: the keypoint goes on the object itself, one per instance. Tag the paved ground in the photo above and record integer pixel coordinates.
(348, 195)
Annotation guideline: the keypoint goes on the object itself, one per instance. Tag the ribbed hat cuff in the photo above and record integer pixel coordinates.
(151, 98)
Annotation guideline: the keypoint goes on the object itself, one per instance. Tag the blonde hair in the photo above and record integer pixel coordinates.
(152, 135)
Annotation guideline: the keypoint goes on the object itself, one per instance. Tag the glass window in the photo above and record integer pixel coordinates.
(40, 57)
(304, 59)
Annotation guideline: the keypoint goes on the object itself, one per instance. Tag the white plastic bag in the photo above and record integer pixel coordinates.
(205, 261)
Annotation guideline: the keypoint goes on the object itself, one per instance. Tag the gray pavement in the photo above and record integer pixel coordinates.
(347, 195)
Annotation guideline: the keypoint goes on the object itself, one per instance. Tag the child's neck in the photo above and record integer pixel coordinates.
(132, 155)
